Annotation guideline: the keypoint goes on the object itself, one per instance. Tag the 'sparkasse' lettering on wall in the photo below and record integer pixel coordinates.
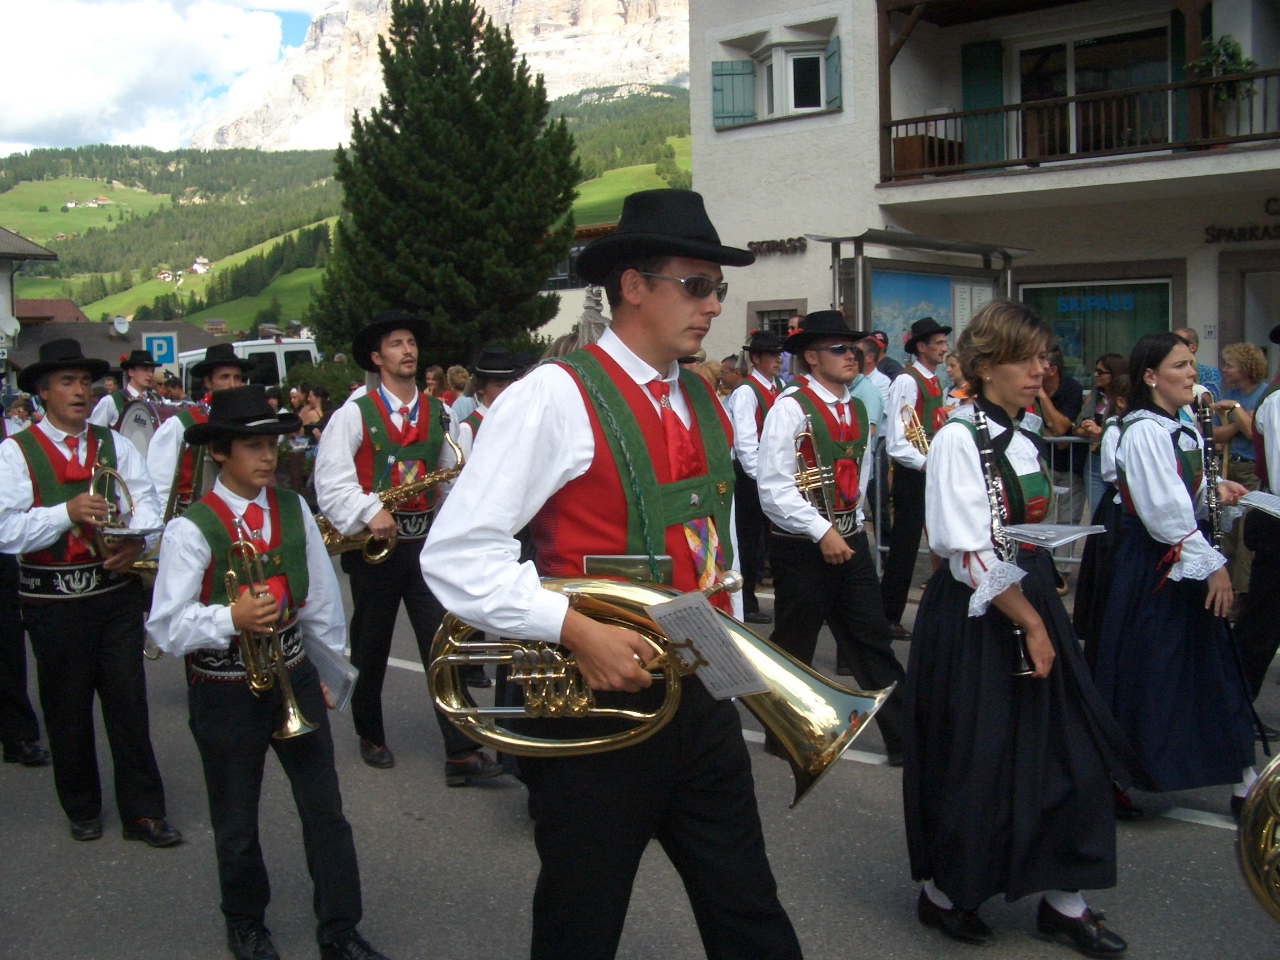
(1242, 234)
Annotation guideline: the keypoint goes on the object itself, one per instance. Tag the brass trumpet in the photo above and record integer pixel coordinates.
(376, 551)
(1257, 846)
(817, 484)
(813, 719)
(913, 429)
(263, 654)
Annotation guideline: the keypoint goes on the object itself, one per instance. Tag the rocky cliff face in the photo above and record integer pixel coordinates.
(306, 102)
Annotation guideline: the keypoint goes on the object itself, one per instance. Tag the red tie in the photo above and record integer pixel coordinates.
(846, 472)
(75, 469)
(278, 585)
(682, 456)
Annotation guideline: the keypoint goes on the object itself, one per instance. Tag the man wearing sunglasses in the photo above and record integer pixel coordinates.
(822, 566)
(587, 450)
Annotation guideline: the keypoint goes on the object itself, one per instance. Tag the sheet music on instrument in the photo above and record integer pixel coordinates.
(695, 632)
(336, 672)
(1266, 502)
(1050, 535)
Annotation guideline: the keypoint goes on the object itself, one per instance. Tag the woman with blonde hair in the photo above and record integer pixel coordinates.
(1244, 381)
(1007, 784)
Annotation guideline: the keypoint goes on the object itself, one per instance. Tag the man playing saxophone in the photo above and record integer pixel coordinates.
(375, 443)
(194, 616)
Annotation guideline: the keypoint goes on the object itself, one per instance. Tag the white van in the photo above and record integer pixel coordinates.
(272, 359)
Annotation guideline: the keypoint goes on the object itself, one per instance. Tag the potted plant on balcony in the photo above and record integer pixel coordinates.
(1224, 58)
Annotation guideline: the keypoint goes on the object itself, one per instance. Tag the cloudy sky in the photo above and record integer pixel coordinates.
(132, 71)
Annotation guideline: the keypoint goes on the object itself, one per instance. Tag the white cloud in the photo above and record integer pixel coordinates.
(128, 71)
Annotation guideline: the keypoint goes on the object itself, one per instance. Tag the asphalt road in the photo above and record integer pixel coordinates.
(450, 873)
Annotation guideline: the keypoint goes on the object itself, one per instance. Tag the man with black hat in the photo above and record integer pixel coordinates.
(139, 370)
(195, 617)
(584, 447)
(220, 369)
(81, 608)
(822, 566)
(384, 439)
(917, 388)
(747, 408)
(493, 373)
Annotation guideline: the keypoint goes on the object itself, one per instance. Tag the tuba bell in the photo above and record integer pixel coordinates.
(1257, 842)
(812, 718)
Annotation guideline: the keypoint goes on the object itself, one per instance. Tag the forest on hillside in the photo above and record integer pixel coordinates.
(612, 131)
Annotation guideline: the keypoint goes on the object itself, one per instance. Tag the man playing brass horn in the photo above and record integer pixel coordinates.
(550, 457)
(81, 610)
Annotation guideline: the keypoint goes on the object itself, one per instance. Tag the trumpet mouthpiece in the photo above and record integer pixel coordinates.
(730, 582)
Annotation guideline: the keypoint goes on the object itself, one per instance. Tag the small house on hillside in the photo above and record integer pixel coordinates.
(70, 204)
(216, 327)
(101, 200)
(92, 203)
(165, 276)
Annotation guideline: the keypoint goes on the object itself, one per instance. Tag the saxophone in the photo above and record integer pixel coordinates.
(1212, 469)
(1006, 548)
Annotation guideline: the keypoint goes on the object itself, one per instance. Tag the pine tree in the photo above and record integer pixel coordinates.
(458, 189)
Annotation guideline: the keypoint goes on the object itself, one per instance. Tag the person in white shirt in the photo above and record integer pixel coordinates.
(493, 373)
(554, 454)
(194, 616)
(748, 405)
(81, 608)
(822, 566)
(387, 438)
(139, 369)
(916, 388)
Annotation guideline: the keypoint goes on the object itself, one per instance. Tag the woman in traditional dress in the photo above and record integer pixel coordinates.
(1166, 663)
(1007, 786)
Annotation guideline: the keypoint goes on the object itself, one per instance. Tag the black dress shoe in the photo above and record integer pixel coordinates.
(473, 675)
(1087, 934)
(250, 940)
(963, 925)
(29, 753)
(774, 748)
(1271, 733)
(152, 831)
(376, 755)
(351, 946)
(895, 759)
(755, 616)
(86, 829)
(1126, 809)
(477, 765)
(898, 632)
(1237, 804)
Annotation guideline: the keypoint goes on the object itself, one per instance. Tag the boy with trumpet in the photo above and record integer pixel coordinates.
(193, 616)
(81, 609)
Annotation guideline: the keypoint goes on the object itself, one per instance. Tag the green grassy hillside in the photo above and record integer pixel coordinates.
(293, 289)
(20, 207)
(600, 200)
(42, 288)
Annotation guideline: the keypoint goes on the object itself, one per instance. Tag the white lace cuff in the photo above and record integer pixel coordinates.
(1196, 560)
(1000, 577)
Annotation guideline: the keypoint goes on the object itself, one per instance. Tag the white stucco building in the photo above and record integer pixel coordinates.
(1065, 135)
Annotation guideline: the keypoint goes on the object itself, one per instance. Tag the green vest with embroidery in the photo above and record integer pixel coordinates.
(1027, 498)
(385, 451)
(118, 398)
(473, 420)
(926, 404)
(195, 453)
(764, 402)
(49, 492)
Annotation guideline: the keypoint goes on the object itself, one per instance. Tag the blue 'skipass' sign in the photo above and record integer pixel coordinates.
(162, 346)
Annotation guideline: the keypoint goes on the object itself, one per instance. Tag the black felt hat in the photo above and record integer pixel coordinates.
(370, 336)
(763, 341)
(138, 358)
(671, 223)
(922, 328)
(497, 363)
(241, 412)
(524, 360)
(219, 355)
(1275, 333)
(821, 325)
(64, 354)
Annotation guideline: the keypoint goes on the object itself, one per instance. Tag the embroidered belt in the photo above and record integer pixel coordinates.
(226, 664)
(414, 526)
(67, 581)
(846, 524)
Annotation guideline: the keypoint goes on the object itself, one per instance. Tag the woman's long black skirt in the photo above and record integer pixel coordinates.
(1170, 673)
(1007, 780)
(1094, 583)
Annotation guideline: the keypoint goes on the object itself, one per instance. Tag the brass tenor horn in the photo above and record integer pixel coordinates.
(913, 429)
(1257, 844)
(812, 718)
(816, 483)
(101, 482)
(263, 654)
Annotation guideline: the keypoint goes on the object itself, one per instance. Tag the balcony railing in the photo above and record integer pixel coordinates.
(1188, 115)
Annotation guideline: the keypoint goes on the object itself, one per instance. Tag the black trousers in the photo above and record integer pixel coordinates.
(233, 730)
(1258, 628)
(808, 592)
(904, 539)
(376, 593)
(876, 504)
(86, 647)
(751, 527)
(17, 718)
(690, 787)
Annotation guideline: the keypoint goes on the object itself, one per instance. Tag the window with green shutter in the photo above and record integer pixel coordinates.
(832, 62)
(733, 92)
(982, 85)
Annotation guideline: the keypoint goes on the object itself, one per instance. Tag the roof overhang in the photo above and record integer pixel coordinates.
(901, 240)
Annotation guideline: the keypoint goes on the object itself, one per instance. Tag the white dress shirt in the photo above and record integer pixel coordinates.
(105, 413)
(180, 624)
(957, 511)
(781, 499)
(1158, 495)
(339, 495)
(541, 440)
(903, 392)
(1107, 449)
(25, 528)
(162, 457)
(746, 437)
(467, 437)
(1267, 419)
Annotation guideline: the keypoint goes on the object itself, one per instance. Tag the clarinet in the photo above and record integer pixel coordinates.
(1005, 547)
(1212, 470)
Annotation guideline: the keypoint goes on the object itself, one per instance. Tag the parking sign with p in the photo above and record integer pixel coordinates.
(163, 347)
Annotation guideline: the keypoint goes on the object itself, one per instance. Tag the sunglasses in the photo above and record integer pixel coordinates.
(697, 287)
(836, 349)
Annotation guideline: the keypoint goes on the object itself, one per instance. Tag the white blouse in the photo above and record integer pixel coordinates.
(1107, 449)
(1157, 493)
(958, 513)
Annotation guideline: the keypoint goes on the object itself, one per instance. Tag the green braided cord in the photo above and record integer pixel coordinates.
(603, 408)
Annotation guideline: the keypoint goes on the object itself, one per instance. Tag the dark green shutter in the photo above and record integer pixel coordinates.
(982, 85)
(1178, 71)
(733, 92)
(831, 58)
